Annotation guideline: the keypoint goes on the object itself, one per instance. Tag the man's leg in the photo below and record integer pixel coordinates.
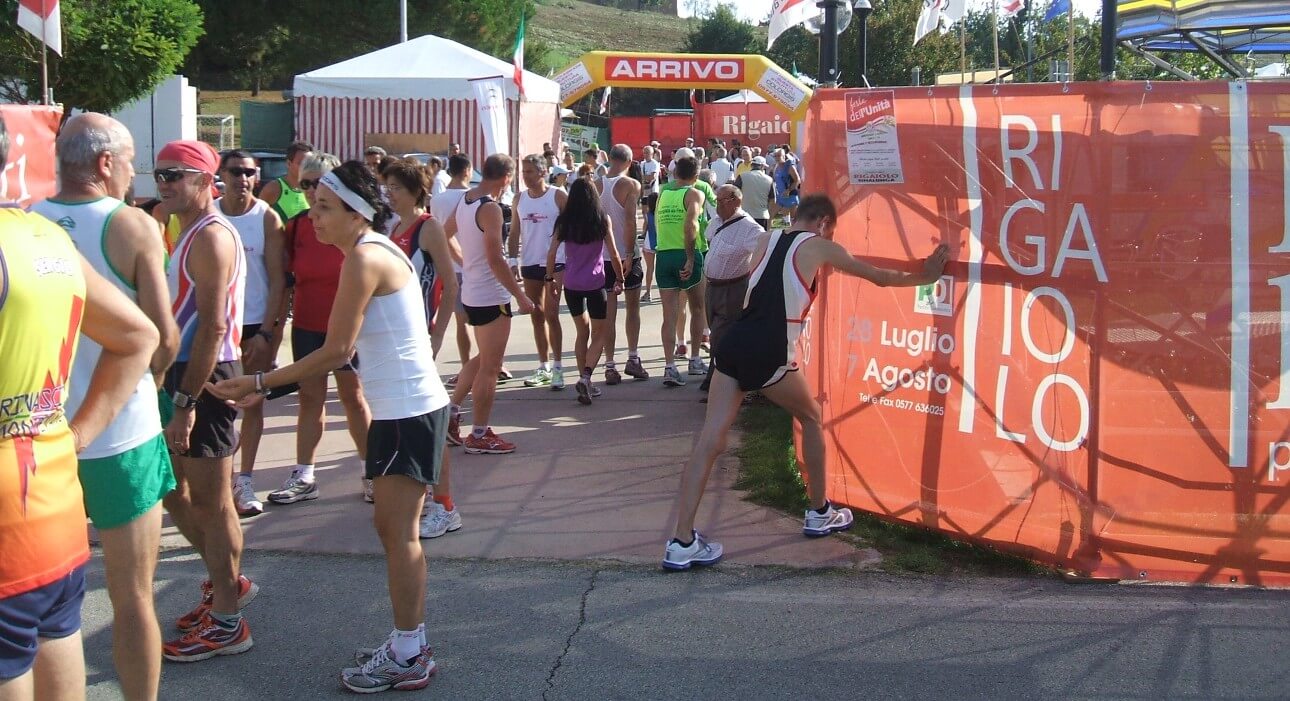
(611, 327)
(535, 289)
(463, 337)
(671, 309)
(179, 504)
(632, 321)
(252, 430)
(794, 396)
(130, 560)
(358, 417)
(398, 511)
(554, 331)
(212, 500)
(698, 318)
(492, 339)
(20, 688)
(724, 400)
(59, 673)
(309, 421)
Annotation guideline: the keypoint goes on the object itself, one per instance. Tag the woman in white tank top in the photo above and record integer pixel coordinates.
(379, 310)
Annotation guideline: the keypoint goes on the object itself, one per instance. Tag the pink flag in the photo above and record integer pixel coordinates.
(42, 18)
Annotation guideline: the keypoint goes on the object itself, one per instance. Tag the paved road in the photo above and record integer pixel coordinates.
(559, 630)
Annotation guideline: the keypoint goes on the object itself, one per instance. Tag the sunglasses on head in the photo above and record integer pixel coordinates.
(307, 184)
(170, 175)
(246, 172)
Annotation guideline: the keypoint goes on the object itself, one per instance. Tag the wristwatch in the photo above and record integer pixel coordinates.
(182, 399)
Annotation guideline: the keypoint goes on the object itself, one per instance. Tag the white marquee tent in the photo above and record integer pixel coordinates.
(421, 86)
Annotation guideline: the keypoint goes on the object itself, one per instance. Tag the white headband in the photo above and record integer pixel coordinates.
(348, 196)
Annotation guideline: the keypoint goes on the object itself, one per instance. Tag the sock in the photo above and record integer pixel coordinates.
(694, 356)
(823, 509)
(226, 621)
(671, 366)
(421, 633)
(610, 365)
(682, 543)
(445, 502)
(545, 367)
(243, 478)
(305, 472)
(405, 644)
(479, 431)
(454, 409)
(586, 371)
(633, 355)
(558, 365)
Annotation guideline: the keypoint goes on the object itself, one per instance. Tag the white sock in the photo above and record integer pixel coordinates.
(633, 355)
(454, 409)
(558, 365)
(546, 367)
(421, 633)
(694, 357)
(405, 644)
(243, 478)
(305, 472)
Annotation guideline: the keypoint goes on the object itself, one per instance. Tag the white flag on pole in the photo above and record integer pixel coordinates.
(43, 19)
(786, 14)
(1012, 7)
(604, 99)
(936, 11)
(491, 100)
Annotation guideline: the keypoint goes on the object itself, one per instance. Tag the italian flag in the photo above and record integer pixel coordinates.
(518, 58)
(43, 19)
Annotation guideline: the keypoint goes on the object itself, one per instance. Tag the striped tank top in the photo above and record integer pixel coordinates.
(183, 292)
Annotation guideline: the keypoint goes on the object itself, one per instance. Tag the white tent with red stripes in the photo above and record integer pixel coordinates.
(421, 86)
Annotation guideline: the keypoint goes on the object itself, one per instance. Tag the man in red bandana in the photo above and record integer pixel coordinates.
(207, 279)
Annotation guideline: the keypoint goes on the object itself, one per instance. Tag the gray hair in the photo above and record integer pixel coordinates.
(537, 162)
(79, 146)
(319, 162)
(707, 176)
(375, 151)
(621, 152)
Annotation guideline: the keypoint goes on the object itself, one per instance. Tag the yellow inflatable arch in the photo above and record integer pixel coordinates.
(686, 72)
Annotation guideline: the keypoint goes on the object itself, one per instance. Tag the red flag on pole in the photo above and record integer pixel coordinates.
(43, 19)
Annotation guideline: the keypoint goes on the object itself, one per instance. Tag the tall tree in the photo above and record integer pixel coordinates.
(114, 51)
(238, 44)
(722, 32)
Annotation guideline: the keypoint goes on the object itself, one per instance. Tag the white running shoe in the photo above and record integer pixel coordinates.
(437, 521)
(557, 378)
(817, 525)
(541, 378)
(698, 367)
(698, 552)
(672, 378)
(295, 489)
(244, 499)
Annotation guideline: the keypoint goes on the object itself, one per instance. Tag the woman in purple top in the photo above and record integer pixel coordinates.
(585, 232)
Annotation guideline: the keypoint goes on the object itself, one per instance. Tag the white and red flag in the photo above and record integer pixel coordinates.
(518, 58)
(786, 14)
(43, 19)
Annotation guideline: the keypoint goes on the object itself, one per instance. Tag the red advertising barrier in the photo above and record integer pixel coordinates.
(1101, 380)
(749, 123)
(633, 131)
(28, 176)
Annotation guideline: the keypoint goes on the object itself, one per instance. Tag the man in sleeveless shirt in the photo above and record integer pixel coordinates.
(620, 197)
(759, 353)
(679, 267)
(536, 210)
(207, 279)
(284, 194)
(487, 287)
(266, 281)
(49, 295)
(126, 471)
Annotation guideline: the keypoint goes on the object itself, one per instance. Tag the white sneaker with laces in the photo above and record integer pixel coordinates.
(295, 489)
(698, 552)
(698, 367)
(817, 525)
(244, 499)
(672, 378)
(436, 521)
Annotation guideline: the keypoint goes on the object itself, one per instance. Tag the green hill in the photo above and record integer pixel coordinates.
(571, 28)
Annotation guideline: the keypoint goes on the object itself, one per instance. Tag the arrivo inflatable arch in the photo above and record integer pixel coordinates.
(686, 72)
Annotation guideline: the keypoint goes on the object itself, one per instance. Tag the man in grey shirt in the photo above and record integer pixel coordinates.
(757, 187)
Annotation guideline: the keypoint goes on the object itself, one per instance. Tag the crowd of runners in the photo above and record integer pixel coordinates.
(141, 342)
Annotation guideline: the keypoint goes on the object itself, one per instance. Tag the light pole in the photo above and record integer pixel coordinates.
(834, 17)
(863, 9)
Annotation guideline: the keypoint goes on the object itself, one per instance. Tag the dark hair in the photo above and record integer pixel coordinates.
(235, 155)
(687, 168)
(583, 220)
(498, 166)
(357, 177)
(4, 144)
(298, 147)
(412, 176)
(458, 165)
(814, 207)
(383, 164)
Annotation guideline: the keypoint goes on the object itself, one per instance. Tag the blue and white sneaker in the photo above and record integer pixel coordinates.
(817, 525)
(699, 552)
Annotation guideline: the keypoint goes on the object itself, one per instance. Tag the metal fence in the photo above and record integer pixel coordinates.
(218, 130)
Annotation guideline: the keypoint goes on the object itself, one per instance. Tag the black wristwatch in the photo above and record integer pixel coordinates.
(182, 399)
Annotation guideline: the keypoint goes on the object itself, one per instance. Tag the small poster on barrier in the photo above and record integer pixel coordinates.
(873, 151)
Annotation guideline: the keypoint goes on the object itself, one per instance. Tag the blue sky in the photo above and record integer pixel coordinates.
(756, 10)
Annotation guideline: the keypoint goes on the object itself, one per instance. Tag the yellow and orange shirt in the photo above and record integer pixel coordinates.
(42, 298)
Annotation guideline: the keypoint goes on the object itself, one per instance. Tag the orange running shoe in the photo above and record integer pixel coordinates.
(490, 444)
(454, 429)
(209, 639)
(246, 590)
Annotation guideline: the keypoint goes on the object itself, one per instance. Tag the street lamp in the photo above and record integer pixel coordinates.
(834, 18)
(864, 8)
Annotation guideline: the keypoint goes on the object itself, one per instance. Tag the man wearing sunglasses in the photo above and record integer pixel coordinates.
(126, 471)
(207, 280)
(284, 195)
(266, 281)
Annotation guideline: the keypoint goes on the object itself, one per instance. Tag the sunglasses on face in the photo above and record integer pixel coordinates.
(307, 184)
(244, 172)
(171, 175)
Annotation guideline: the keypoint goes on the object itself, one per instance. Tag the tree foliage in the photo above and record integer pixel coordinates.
(114, 51)
(722, 32)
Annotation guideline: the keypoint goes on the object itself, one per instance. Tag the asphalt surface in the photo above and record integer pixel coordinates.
(517, 629)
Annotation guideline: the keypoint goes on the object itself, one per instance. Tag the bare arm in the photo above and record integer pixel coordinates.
(450, 233)
(629, 214)
(128, 339)
(271, 192)
(833, 254)
(517, 231)
(210, 263)
(134, 248)
(614, 259)
(261, 347)
(694, 200)
(490, 221)
(435, 243)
